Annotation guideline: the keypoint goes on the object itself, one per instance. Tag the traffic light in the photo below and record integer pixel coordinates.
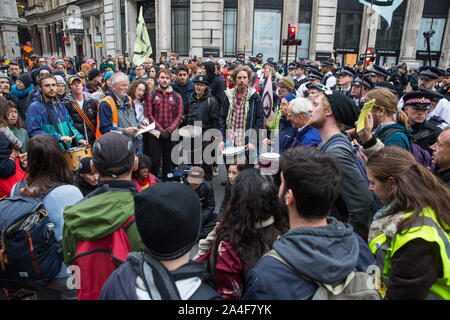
(291, 32)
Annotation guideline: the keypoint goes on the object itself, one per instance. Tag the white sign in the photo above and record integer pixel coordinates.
(75, 23)
(266, 36)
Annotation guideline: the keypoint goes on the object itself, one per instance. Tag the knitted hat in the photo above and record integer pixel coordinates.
(26, 79)
(287, 83)
(344, 109)
(93, 73)
(289, 97)
(168, 219)
(113, 154)
(84, 165)
(59, 79)
(109, 65)
(107, 75)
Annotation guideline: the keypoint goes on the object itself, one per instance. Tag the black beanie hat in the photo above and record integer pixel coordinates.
(84, 166)
(344, 109)
(93, 73)
(168, 219)
(26, 79)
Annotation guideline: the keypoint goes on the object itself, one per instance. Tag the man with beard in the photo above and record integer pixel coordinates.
(164, 107)
(47, 115)
(382, 125)
(331, 111)
(378, 74)
(116, 111)
(5, 88)
(242, 111)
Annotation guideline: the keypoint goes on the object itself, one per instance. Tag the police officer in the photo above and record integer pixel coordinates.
(202, 106)
(260, 56)
(425, 132)
(328, 78)
(344, 80)
(240, 57)
(300, 74)
(378, 74)
(357, 94)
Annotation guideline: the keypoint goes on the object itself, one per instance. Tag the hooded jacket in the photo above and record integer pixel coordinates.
(23, 98)
(90, 110)
(216, 83)
(38, 120)
(326, 254)
(205, 109)
(185, 91)
(99, 216)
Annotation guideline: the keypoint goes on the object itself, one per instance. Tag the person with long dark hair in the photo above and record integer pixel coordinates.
(410, 235)
(252, 221)
(49, 177)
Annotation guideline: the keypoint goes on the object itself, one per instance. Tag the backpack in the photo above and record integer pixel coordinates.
(354, 287)
(30, 257)
(360, 158)
(160, 283)
(97, 259)
(422, 156)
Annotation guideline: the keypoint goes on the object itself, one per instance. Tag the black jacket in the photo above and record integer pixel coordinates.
(82, 184)
(206, 109)
(444, 175)
(89, 109)
(425, 134)
(206, 194)
(216, 83)
(7, 166)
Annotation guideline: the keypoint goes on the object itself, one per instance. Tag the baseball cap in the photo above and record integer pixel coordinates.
(196, 175)
(72, 78)
(113, 154)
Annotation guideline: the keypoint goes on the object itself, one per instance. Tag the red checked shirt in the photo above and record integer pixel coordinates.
(165, 109)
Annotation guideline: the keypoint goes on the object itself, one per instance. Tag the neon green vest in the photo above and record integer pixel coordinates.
(430, 231)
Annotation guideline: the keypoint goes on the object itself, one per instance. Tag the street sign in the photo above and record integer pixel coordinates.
(75, 26)
(98, 40)
(368, 55)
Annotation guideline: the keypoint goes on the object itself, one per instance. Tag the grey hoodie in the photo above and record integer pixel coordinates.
(325, 254)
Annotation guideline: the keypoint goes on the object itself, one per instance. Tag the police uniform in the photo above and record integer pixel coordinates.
(366, 82)
(378, 71)
(328, 79)
(426, 133)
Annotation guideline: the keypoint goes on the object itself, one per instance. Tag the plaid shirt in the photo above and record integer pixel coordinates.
(237, 121)
(165, 109)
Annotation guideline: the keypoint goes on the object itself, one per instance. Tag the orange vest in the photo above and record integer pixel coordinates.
(112, 103)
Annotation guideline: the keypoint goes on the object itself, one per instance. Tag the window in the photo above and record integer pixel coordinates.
(181, 27)
(229, 31)
(438, 26)
(390, 38)
(348, 30)
(304, 28)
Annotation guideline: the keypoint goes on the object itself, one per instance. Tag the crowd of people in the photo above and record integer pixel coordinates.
(342, 200)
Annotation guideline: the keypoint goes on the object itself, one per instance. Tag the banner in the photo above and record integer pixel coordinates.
(385, 8)
(142, 45)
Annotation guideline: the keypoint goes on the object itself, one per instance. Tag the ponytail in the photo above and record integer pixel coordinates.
(402, 118)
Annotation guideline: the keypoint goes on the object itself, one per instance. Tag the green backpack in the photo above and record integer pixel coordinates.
(354, 287)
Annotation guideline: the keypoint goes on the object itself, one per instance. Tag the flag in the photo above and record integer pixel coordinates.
(384, 8)
(142, 45)
(267, 100)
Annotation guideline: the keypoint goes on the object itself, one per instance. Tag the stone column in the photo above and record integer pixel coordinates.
(323, 24)
(370, 21)
(206, 16)
(411, 29)
(245, 26)
(110, 22)
(290, 16)
(444, 61)
(44, 30)
(163, 27)
(132, 16)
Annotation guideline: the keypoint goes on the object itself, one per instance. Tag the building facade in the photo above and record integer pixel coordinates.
(340, 29)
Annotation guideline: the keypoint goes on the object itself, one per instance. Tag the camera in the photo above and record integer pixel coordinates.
(429, 34)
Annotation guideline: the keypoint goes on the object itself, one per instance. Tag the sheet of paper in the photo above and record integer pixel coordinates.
(147, 128)
(364, 112)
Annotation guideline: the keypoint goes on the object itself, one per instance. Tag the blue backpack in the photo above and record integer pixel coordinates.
(30, 257)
